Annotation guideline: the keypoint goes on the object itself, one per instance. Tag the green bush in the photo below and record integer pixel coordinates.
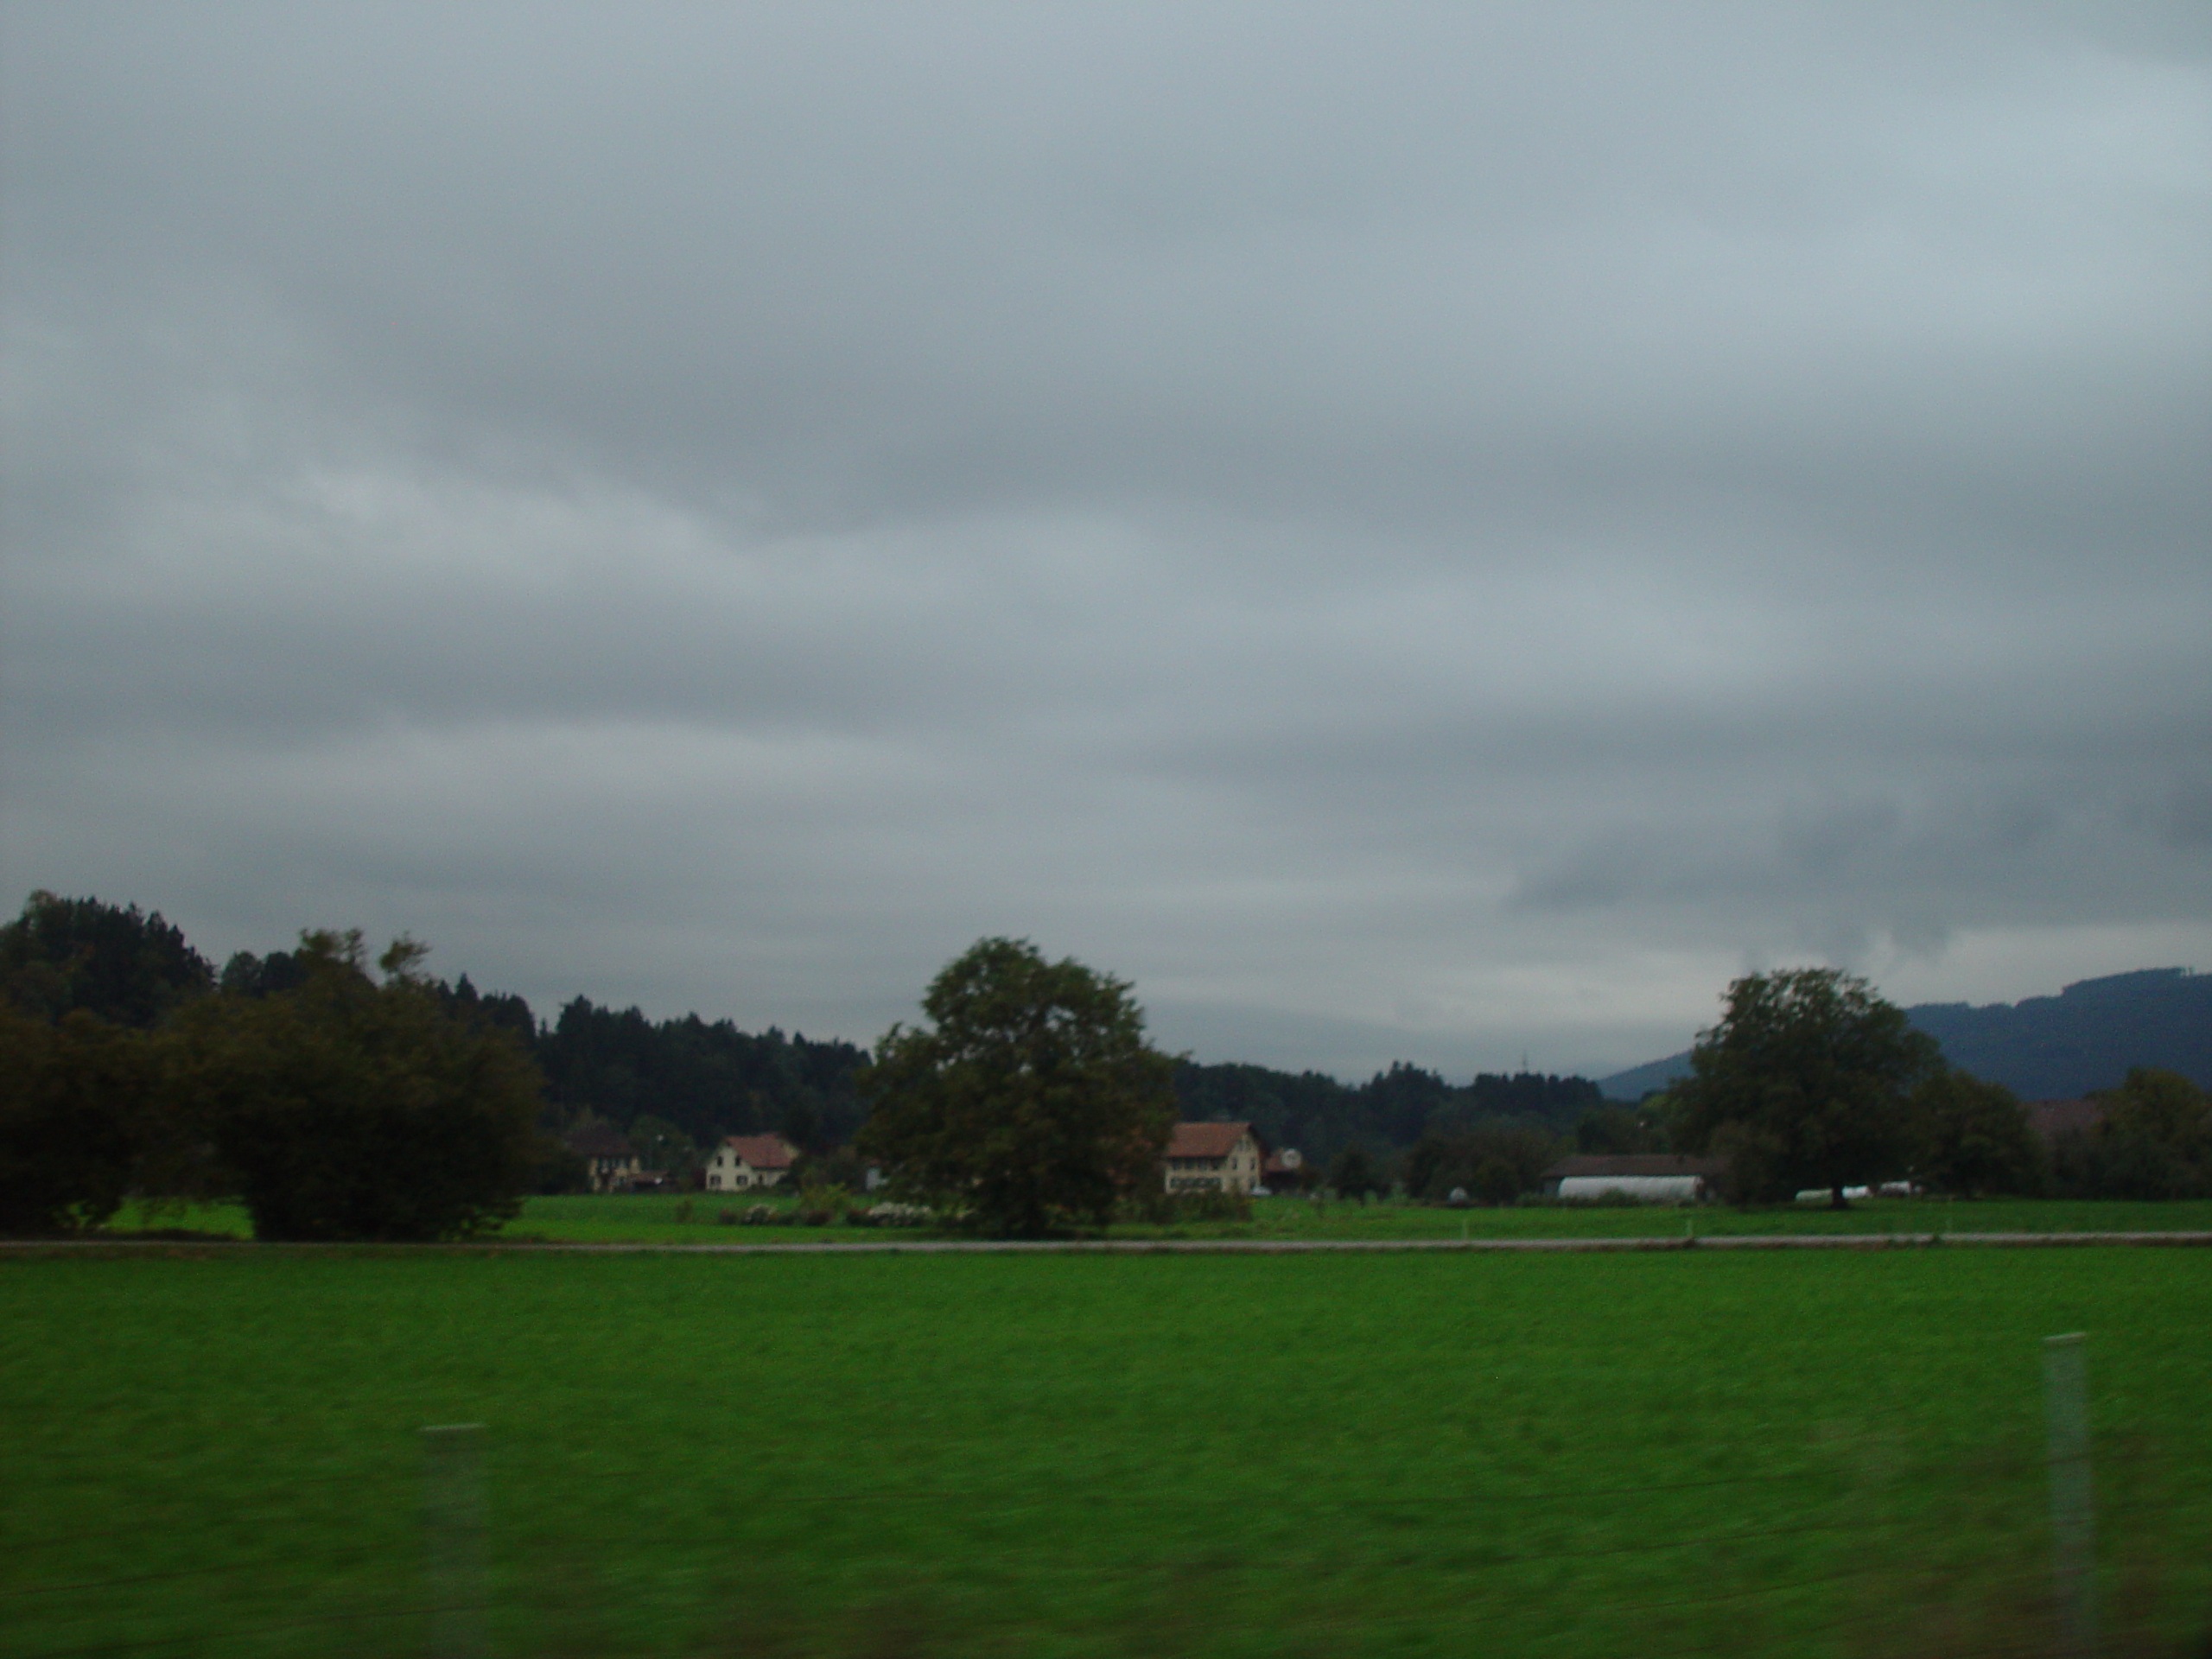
(1495, 1162)
(2154, 1141)
(889, 1214)
(1974, 1138)
(75, 1102)
(1164, 1209)
(350, 1110)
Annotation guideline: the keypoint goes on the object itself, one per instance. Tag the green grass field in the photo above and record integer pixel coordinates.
(690, 1219)
(212, 1453)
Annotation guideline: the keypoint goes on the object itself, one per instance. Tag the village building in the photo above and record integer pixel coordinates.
(1647, 1177)
(1214, 1158)
(610, 1162)
(745, 1162)
(2052, 1118)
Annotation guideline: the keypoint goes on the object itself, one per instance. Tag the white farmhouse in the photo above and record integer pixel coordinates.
(1214, 1158)
(745, 1162)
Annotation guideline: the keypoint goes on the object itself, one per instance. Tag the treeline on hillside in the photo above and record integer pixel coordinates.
(2056, 1047)
(1810, 1081)
(131, 1065)
(675, 1085)
(2060, 1047)
(679, 1085)
(1388, 1114)
(335, 1104)
(2150, 1138)
(704, 1080)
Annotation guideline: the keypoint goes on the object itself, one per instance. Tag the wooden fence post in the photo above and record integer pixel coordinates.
(453, 1535)
(2073, 1509)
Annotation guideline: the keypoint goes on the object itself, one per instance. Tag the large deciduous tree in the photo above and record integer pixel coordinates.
(1495, 1162)
(347, 1109)
(1974, 1137)
(1031, 1100)
(1353, 1174)
(76, 1098)
(2153, 1142)
(1806, 1082)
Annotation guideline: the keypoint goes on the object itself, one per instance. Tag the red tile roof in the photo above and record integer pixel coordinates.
(1206, 1140)
(597, 1140)
(762, 1151)
(2052, 1118)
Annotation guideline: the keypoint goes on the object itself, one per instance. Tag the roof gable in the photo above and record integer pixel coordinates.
(2052, 1118)
(762, 1151)
(1206, 1140)
(597, 1140)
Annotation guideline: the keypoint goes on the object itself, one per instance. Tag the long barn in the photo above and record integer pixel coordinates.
(1645, 1177)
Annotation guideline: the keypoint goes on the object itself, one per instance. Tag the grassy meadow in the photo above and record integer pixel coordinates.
(214, 1453)
(690, 1218)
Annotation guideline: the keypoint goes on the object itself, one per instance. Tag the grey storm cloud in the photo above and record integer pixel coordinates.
(1427, 533)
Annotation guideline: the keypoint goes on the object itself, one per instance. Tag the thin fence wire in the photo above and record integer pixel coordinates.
(17, 1541)
(1873, 1519)
(248, 1633)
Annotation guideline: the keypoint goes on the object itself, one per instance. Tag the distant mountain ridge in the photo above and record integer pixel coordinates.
(2045, 1047)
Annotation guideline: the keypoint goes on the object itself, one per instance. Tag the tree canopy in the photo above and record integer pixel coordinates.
(1806, 1082)
(1353, 1174)
(76, 1095)
(1396, 1108)
(112, 962)
(1974, 1137)
(2154, 1140)
(346, 1109)
(1495, 1162)
(1033, 1098)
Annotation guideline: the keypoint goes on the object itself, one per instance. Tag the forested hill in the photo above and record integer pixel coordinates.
(2048, 1048)
(2085, 1038)
(1392, 1110)
(712, 1079)
(708, 1079)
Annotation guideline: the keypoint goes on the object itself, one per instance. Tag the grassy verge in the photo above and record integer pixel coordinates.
(213, 1453)
(676, 1219)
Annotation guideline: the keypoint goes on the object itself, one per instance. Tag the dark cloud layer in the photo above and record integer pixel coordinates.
(1432, 533)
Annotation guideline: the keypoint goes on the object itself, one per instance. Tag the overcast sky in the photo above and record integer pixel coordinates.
(1426, 532)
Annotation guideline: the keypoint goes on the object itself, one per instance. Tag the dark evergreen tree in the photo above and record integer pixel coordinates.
(112, 962)
(1320, 1115)
(1354, 1174)
(708, 1080)
(247, 974)
(1496, 1161)
(1619, 1129)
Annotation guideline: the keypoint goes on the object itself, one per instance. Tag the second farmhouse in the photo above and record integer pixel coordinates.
(1214, 1158)
(744, 1162)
